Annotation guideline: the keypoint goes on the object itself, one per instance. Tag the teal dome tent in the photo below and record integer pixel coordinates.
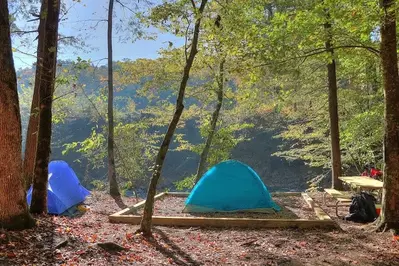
(230, 186)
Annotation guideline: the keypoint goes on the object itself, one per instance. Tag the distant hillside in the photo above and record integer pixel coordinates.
(277, 173)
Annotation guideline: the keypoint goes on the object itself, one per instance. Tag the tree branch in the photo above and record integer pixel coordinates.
(21, 32)
(370, 49)
(25, 53)
(124, 6)
(185, 40)
(193, 3)
(318, 51)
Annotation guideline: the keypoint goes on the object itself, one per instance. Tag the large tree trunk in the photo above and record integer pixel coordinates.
(215, 117)
(13, 207)
(389, 59)
(146, 222)
(28, 168)
(47, 75)
(113, 184)
(333, 111)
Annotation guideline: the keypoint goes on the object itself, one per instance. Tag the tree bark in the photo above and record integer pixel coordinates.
(28, 168)
(146, 222)
(31, 141)
(47, 80)
(389, 59)
(333, 111)
(13, 207)
(215, 117)
(113, 184)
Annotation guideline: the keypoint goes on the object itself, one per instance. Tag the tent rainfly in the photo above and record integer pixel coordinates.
(230, 186)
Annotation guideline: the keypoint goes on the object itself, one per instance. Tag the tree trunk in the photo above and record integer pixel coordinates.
(113, 184)
(333, 111)
(215, 117)
(47, 80)
(389, 60)
(146, 222)
(31, 141)
(28, 168)
(13, 207)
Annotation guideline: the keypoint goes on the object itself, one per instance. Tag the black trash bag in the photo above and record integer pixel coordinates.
(362, 209)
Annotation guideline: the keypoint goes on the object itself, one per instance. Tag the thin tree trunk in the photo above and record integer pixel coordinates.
(389, 60)
(28, 168)
(215, 117)
(47, 76)
(146, 222)
(113, 184)
(13, 207)
(31, 141)
(333, 111)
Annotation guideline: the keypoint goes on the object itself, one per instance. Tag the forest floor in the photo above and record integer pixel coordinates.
(74, 241)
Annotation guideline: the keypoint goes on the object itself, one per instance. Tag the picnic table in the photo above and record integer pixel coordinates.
(357, 183)
(362, 182)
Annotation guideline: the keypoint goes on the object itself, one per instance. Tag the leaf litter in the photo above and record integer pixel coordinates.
(353, 245)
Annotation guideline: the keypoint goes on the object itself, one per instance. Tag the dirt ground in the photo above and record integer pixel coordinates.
(292, 207)
(73, 241)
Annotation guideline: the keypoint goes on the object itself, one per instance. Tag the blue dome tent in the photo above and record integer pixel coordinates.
(230, 186)
(64, 189)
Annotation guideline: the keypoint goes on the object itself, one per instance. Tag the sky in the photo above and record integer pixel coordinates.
(81, 20)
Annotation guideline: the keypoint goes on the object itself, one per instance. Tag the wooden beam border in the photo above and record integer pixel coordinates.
(137, 206)
(320, 213)
(324, 221)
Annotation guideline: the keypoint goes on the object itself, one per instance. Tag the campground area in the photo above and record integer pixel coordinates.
(61, 240)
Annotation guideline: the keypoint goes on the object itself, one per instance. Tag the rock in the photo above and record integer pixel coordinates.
(61, 244)
(111, 246)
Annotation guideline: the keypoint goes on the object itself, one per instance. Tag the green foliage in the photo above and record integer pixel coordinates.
(98, 185)
(186, 183)
(275, 80)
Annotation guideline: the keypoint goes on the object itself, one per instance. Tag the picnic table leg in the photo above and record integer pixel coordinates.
(336, 209)
(324, 198)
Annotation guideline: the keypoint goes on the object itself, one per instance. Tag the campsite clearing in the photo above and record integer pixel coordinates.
(353, 245)
(288, 218)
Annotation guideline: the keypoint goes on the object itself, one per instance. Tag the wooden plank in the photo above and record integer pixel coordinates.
(178, 194)
(285, 194)
(321, 215)
(274, 194)
(308, 200)
(137, 206)
(338, 194)
(122, 212)
(226, 222)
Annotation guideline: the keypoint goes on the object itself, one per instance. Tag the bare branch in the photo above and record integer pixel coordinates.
(88, 20)
(66, 37)
(124, 6)
(21, 32)
(25, 53)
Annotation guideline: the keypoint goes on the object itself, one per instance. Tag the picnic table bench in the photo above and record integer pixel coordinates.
(343, 198)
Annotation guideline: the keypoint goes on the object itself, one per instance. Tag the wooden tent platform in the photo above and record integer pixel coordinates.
(128, 216)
